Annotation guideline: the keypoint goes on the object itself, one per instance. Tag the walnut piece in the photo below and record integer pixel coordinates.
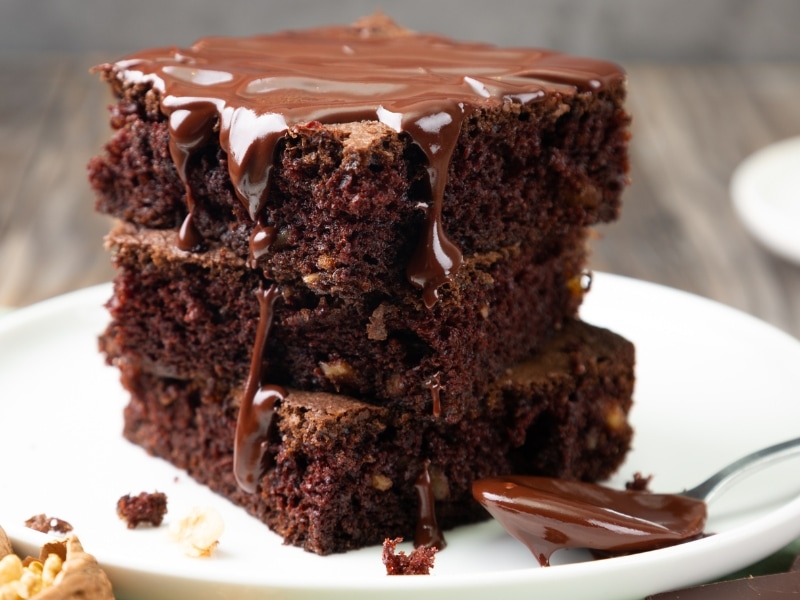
(376, 328)
(5, 544)
(198, 532)
(62, 571)
(337, 371)
(45, 524)
(615, 418)
(380, 482)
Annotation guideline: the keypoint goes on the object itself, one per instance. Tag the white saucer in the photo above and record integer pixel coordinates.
(766, 195)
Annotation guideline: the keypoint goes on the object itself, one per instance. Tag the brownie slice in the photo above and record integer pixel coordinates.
(191, 316)
(344, 471)
(539, 149)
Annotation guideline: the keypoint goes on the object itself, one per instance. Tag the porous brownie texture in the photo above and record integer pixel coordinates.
(413, 323)
(344, 470)
(191, 316)
(347, 200)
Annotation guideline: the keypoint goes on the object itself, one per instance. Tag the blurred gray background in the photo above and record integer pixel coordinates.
(659, 30)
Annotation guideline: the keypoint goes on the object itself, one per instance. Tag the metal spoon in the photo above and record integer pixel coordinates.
(744, 466)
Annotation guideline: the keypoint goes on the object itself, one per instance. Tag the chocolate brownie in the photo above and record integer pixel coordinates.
(346, 236)
(344, 471)
(185, 316)
(391, 155)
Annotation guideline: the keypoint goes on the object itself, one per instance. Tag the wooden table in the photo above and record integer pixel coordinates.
(692, 126)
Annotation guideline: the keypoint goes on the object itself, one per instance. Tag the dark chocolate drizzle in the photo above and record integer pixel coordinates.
(434, 384)
(261, 239)
(428, 532)
(189, 239)
(549, 514)
(252, 91)
(259, 402)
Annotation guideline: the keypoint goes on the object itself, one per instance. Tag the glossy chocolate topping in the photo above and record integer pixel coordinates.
(255, 420)
(251, 91)
(549, 514)
(261, 240)
(428, 532)
(434, 384)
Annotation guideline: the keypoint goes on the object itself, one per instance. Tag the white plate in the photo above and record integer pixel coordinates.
(713, 384)
(766, 194)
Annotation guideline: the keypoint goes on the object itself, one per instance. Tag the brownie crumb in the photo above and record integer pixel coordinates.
(144, 508)
(640, 483)
(46, 524)
(418, 562)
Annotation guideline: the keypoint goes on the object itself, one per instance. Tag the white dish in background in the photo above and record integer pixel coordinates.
(765, 189)
(713, 384)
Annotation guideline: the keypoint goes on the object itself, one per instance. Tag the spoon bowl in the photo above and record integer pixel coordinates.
(548, 514)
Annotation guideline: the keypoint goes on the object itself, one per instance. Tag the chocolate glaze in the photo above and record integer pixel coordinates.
(188, 237)
(255, 421)
(548, 514)
(434, 384)
(428, 532)
(252, 91)
(261, 240)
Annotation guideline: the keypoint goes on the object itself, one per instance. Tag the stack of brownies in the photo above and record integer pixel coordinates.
(349, 267)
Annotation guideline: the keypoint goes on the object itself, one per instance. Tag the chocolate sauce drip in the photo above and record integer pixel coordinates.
(253, 91)
(261, 240)
(434, 384)
(549, 514)
(255, 421)
(189, 239)
(428, 532)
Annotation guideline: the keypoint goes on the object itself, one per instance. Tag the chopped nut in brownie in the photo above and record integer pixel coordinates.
(144, 508)
(47, 524)
(418, 562)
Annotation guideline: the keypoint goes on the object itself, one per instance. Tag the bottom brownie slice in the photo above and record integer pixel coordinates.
(346, 474)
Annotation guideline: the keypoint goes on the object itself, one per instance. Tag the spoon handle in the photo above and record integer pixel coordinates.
(745, 465)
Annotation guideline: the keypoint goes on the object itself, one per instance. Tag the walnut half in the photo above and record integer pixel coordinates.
(64, 570)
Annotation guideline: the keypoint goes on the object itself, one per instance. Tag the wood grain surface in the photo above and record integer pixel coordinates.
(693, 124)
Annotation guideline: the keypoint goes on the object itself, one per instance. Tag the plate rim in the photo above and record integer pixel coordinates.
(766, 225)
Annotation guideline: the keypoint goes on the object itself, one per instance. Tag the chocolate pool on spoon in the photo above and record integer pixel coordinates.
(549, 514)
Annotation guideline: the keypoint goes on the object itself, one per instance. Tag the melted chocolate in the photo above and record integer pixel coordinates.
(261, 240)
(252, 91)
(549, 514)
(434, 384)
(428, 532)
(188, 237)
(255, 421)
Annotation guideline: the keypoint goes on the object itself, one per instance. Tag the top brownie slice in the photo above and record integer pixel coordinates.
(362, 159)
